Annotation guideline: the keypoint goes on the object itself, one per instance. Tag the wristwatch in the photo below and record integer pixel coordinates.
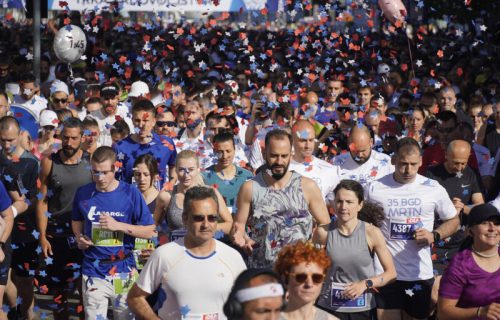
(437, 236)
(369, 284)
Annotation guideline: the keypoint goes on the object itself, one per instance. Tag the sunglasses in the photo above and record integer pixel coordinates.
(49, 128)
(300, 278)
(55, 100)
(166, 123)
(200, 218)
(343, 109)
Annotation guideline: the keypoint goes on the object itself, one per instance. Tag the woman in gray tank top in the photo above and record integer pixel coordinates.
(302, 268)
(169, 206)
(351, 245)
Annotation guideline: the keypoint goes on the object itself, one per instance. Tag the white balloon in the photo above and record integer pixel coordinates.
(70, 43)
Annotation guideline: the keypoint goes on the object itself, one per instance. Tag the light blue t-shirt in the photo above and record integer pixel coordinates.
(228, 188)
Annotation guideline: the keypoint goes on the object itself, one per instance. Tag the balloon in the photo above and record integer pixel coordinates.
(394, 10)
(70, 43)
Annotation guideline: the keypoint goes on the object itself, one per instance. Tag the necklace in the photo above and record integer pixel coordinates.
(482, 255)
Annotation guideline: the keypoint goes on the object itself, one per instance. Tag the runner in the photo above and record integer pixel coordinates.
(107, 216)
(410, 201)
(195, 272)
(60, 176)
(278, 205)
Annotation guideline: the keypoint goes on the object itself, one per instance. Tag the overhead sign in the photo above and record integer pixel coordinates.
(149, 5)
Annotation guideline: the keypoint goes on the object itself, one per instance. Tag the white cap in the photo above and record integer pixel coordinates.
(48, 118)
(59, 86)
(383, 68)
(158, 100)
(138, 88)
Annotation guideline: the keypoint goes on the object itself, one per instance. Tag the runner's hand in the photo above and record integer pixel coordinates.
(238, 235)
(423, 237)
(46, 247)
(108, 222)
(83, 242)
(354, 289)
(459, 205)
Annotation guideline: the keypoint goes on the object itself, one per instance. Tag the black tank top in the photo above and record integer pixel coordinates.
(63, 182)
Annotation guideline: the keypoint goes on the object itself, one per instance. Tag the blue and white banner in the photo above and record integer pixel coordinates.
(150, 5)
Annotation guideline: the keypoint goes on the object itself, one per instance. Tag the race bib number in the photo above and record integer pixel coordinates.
(122, 282)
(404, 228)
(177, 234)
(143, 244)
(338, 300)
(106, 238)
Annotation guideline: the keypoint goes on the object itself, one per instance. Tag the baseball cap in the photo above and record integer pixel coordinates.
(481, 213)
(59, 86)
(138, 88)
(48, 118)
(109, 89)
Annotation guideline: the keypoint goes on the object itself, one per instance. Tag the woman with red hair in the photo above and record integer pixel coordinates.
(303, 268)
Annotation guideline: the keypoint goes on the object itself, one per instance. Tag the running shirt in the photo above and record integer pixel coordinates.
(323, 173)
(377, 166)
(408, 207)
(228, 188)
(278, 218)
(464, 280)
(160, 147)
(461, 186)
(195, 287)
(125, 204)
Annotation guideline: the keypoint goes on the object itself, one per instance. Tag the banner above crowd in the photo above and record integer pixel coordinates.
(150, 5)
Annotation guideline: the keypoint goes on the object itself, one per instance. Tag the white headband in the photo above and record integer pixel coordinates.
(265, 291)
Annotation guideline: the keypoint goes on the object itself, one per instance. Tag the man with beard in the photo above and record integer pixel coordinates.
(362, 163)
(278, 205)
(111, 112)
(19, 172)
(29, 97)
(61, 175)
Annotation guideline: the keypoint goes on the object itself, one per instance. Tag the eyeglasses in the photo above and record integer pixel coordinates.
(300, 278)
(200, 218)
(166, 123)
(49, 128)
(55, 100)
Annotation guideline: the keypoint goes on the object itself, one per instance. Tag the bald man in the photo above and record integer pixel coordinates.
(362, 163)
(311, 107)
(463, 186)
(305, 163)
